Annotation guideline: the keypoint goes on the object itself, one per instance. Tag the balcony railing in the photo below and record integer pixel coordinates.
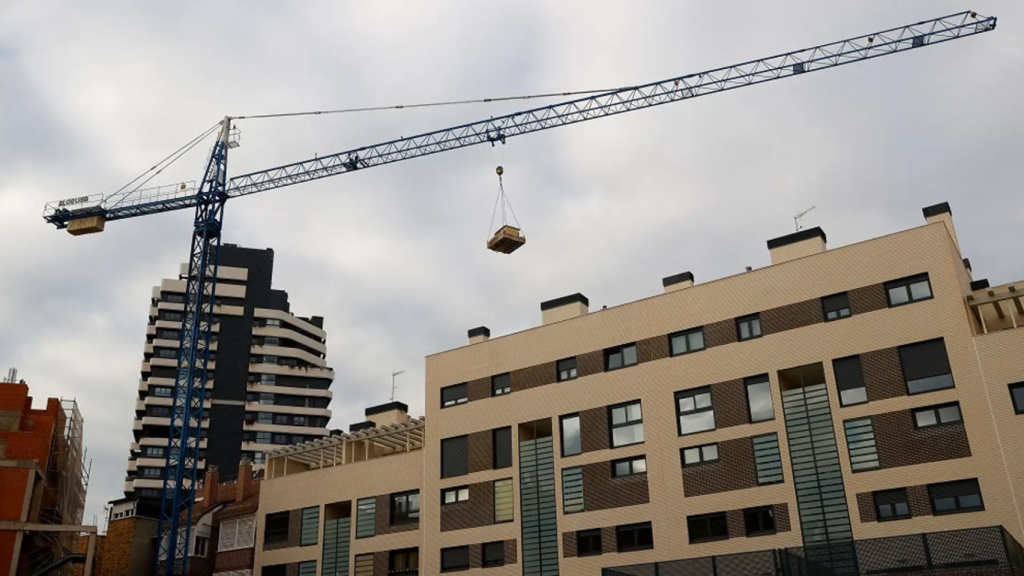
(989, 551)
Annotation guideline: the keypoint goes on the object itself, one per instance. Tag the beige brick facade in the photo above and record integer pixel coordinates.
(984, 359)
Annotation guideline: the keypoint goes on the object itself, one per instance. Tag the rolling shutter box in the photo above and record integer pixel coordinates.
(924, 360)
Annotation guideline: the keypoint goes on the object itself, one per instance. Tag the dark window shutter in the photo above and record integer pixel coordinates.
(891, 497)
(452, 393)
(952, 489)
(836, 302)
(502, 446)
(455, 457)
(849, 374)
(455, 558)
(924, 360)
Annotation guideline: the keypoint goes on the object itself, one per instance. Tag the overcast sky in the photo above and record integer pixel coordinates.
(393, 258)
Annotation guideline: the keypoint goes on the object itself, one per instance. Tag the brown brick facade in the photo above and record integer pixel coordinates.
(294, 532)
(511, 552)
(729, 399)
(477, 511)
(734, 470)
(917, 499)
(594, 429)
(479, 389)
(651, 349)
(568, 544)
(883, 374)
(792, 316)
(590, 363)
(720, 333)
(241, 559)
(609, 543)
(480, 451)
(781, 513)
(533, 376)
(867, 299)
(900, 443)
(866, 507)
(736, 524)
(602, 491)
(380, 563)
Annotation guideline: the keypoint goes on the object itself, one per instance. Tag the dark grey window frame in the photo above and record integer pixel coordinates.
(1017, 408)
(891, 498)
(499, 561)
(835, 304)
(464, 467)
(457, 490)
(685, 334)
(907, 382)
(275, 527)
(500, 460)
(570, 372)
(393, 554)
(637, 530)
(845, 386)
(460, 400)
(628, 423)
(748, 319)
(621, 351)
(410, 516)
(707, 520)
(939, 419)
(459, 567)
(758, 513)
(591, 536)
(959, 509)
(501, 384)
(755, 381)
(692, 393)
(561, 433)
(631, 462)
(905, 283)
(700, 453)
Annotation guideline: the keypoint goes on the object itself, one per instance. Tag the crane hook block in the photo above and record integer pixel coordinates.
(499, 170)
(506, 240)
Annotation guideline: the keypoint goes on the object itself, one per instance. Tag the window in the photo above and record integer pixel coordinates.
(405, 561)
(366, 517)
(1017, 395)
(452, 395)
(167, 353)
(891, 505)
(634, 537)
(200, 544)
(273, 322)
(298, 420)
(935, 415)
(263, 438)
(269, 359)
(501, 384)
(686, 342)
(162, 391)
(504, 506)
(405, 508)
(707, 527)
(268, 379)
(281, 419)
(152, 472)
(572, 489)
(456, 558)
(835, 307)
(453, 495)
(363, 565)
(767, 459)
(566, 369)
(759, 521)
(571, 442)
(955, 497)
(454, 456)
(620, 357)
(908, 290)
(695, 411)
(174, 298)
(629, 466)
(265, 417)
(276, 528)
(748, 327)
(281, 570)
(501, 448)
(235, 534)
(280, 438)
(588, 542)
(699, 454)
(310, 526)
(494, 554)
(159, 411)
(307, 568)
(627, 424)
(271, 341)
(759, 399)
(860, 440)
(926, 366)
(153, 451)
(850, 381)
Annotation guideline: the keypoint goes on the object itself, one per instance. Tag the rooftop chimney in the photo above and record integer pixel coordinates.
(797, 245)
(390, 413)
(941, 213)
(677, 282)
(243, 489)
(479, 334)
(564, 308)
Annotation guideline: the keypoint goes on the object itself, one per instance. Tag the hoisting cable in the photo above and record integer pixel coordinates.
(173, 157)
(425, 104)
(502, 199)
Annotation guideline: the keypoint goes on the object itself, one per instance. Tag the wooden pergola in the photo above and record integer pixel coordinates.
(1011, 295)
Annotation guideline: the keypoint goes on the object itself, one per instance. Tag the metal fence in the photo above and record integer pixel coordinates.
(990, 551)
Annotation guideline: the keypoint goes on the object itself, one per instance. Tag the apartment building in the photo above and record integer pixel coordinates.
(268, 385)
(844, 411)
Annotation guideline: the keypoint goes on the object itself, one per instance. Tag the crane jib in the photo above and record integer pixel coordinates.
(498, 129)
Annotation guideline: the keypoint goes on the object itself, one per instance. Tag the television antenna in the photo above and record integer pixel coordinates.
(393, 374)
(796, 219)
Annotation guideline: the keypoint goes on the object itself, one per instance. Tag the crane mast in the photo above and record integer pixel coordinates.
(90, 213)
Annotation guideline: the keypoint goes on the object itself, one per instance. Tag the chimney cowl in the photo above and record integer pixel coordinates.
(677, 279)
(795, 237)
(564, 308)
(936, 209)
(564, 301)
(479, 334)
(797, 245)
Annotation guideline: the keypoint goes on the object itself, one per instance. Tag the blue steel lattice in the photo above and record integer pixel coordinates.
(498, 129)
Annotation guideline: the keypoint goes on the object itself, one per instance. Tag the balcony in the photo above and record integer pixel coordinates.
(979, 551)
(251, 426)
(288, 333)
(286, 352)
(308, 372)
(278, 409)
(257, 387)
(998, 308)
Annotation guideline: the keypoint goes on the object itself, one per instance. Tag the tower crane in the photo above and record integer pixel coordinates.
(89, 214)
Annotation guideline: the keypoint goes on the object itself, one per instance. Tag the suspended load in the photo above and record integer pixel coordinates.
(508, 238)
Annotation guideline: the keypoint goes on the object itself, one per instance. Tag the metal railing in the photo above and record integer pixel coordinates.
(960, 550)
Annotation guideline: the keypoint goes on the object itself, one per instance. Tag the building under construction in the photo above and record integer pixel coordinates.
(44, 479)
